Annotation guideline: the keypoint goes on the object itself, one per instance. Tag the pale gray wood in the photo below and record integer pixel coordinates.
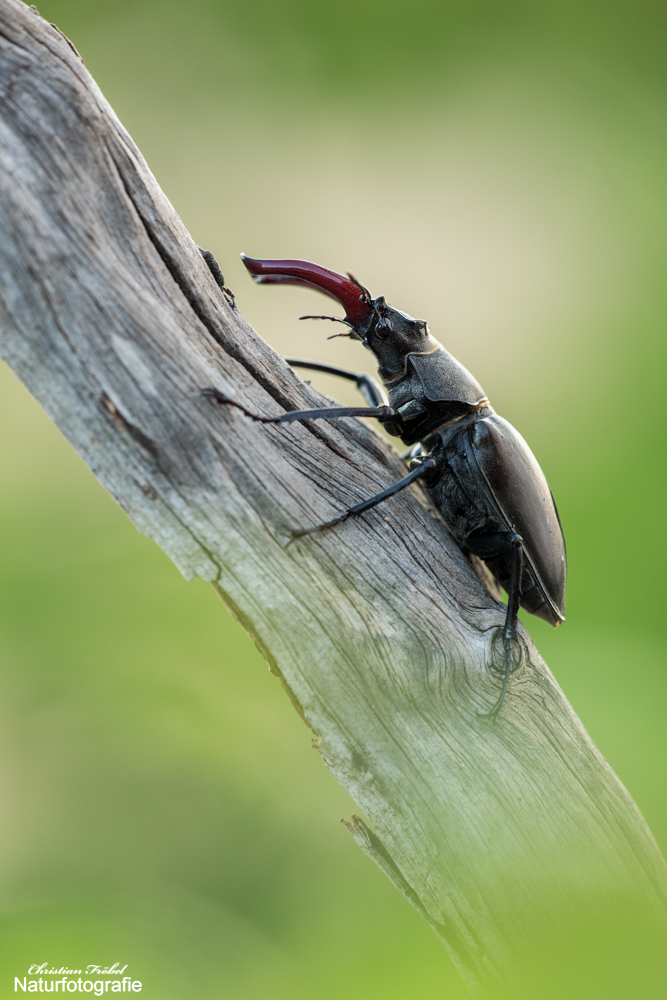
(380, 629)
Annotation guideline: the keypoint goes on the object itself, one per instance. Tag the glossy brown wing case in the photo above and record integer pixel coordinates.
(520, 490)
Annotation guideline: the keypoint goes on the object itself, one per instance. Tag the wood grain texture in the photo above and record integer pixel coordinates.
(380, 629)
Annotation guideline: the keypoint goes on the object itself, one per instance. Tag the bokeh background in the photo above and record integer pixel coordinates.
(495, 166)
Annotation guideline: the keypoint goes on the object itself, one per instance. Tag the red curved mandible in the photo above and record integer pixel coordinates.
(354, 300)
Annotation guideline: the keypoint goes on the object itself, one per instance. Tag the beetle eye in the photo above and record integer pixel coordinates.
(384, 328)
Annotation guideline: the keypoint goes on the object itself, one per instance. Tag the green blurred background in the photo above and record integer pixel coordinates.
(495, 167)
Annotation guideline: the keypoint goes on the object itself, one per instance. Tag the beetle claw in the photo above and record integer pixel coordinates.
(496, 708)
(508, 658)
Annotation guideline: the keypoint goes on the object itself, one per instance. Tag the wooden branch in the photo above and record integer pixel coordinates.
(379, 629)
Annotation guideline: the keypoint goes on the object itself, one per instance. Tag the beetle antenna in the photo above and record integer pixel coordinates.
(334, 319)
(334, 335)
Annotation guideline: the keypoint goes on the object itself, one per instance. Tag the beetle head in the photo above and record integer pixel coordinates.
(389, 333)
(392, 335)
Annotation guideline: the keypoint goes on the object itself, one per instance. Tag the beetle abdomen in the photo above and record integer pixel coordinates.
(521, 492)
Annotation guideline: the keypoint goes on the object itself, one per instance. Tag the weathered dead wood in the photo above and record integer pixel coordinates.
(380, 629)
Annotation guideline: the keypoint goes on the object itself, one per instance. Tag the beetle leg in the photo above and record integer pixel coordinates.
(488, 547)
(511, 618)
(369, 387)
(381, 412)
(424, 469)
(415, 452)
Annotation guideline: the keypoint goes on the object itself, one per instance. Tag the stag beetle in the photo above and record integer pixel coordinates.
(479, 471)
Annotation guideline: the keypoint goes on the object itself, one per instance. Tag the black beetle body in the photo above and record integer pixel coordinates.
(488, 481)
(479, 471)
